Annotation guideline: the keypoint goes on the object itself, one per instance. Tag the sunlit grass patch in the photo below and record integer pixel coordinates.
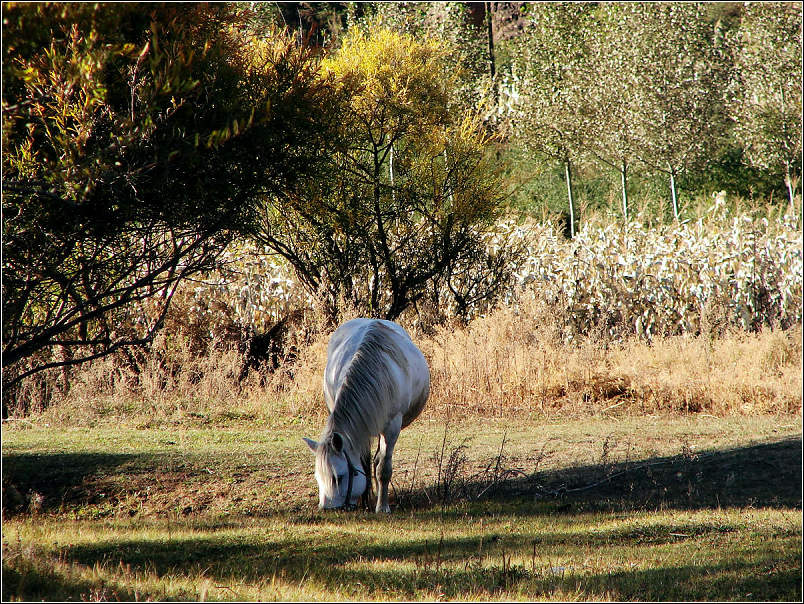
(621, 508)
(701, 554)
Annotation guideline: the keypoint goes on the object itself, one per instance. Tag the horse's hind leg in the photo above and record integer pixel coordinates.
(379, 454)
(382, 462)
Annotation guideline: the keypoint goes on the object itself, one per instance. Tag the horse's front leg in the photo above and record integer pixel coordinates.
(382, 462)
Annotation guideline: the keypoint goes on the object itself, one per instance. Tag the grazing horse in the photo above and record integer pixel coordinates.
(376, 382)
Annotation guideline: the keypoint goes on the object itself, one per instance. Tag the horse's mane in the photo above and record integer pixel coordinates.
(367, 384)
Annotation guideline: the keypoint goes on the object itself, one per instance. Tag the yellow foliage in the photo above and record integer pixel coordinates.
(392, 75)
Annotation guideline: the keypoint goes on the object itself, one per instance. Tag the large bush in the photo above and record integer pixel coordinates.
(409, 192)
(135, 141)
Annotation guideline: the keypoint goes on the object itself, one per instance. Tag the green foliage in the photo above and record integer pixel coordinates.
(554, 70)
(681, 70)
(134, 143)
(767, 104)
(642, 88)
(730, 171)
(660, 87)
(552, 112)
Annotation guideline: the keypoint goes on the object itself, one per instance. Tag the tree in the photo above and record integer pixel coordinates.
(135, 142)
(678, 67)
(613, 139)
(767, 106)
(554, 109)
(378, 239)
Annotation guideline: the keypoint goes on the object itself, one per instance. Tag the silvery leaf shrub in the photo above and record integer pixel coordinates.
(622, 279)
(630, 279)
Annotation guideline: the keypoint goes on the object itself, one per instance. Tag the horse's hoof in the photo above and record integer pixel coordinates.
(384, 509)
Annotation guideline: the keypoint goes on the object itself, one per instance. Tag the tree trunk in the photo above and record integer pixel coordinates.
(568, 173)
(673, 193)
(490, 36)
(391, 172)
(391, 165)
(788, 181)
(385, 255)
(447, 181)
(624, 181)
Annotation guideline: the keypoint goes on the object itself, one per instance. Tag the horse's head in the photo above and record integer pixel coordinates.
(341, 482)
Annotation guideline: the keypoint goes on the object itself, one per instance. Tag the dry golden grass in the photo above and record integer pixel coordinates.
(510, 363)
(514, 362)
(740, 373)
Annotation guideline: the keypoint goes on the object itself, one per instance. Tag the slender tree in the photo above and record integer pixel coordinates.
(554, 106)
(678, 67)
(613, 136)
(767, 102)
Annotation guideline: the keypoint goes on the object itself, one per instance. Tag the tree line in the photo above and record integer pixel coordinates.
(677, 89)
(664, 86)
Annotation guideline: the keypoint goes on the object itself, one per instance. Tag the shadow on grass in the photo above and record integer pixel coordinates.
(764, 475)
(458, 566)
(52, 482)
(40, 581)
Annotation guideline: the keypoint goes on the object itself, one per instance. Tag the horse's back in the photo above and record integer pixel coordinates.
(402, 360)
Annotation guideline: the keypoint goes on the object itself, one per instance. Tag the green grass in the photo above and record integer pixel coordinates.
(626, 508)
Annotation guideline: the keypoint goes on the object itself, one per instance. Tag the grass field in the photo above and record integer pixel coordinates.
(656, 507)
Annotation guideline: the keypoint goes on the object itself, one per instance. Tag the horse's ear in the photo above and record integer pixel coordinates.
(337, 442)
(310, 443)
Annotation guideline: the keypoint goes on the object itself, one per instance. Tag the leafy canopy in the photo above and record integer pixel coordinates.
(135, 141)
(767, 106)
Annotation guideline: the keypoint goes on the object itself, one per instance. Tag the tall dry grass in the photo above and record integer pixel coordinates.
(510, 363)
(514, 362)
(199, 388)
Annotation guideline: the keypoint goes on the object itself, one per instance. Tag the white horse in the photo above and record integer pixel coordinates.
(376, 382)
